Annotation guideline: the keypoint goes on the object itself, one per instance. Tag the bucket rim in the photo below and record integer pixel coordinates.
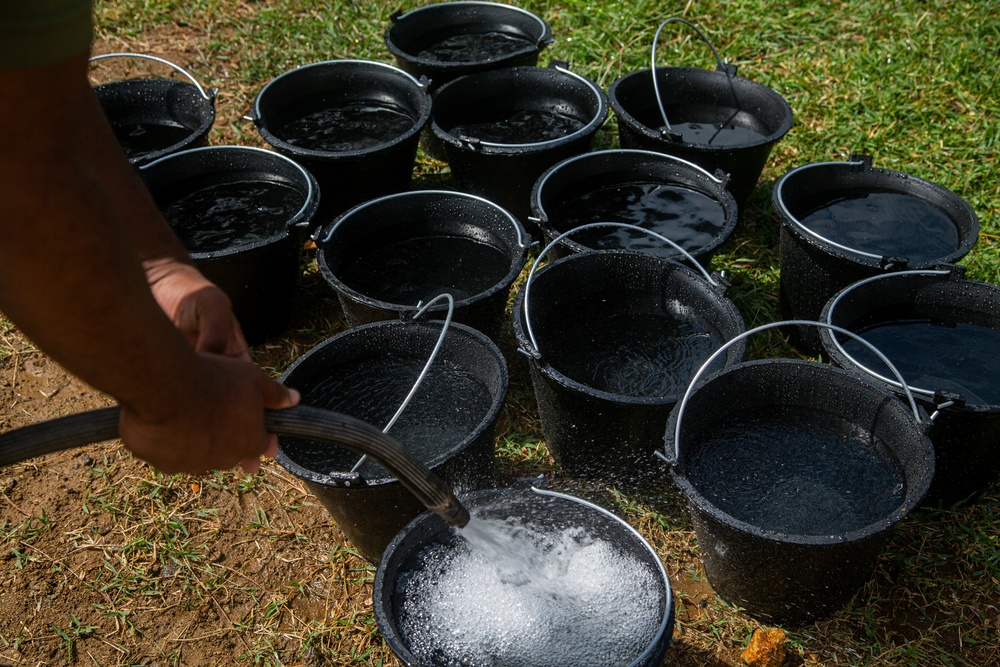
(650, 133)
(257, 117)
(791, 222)
(912, 498)
(541, 41)
(724, 196)
(668, 609)
(299, 220)
(538, 360)
(323, 237)
(433, 328)
(833, 345)
(494, 148)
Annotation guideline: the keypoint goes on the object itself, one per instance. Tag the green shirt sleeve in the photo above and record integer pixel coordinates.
(34, 33)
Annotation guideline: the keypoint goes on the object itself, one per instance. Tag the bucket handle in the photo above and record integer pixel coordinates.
(855, 161)
(925, 393)
(422, 308)
(715, 355)
(159, 60)
(722, 65)
(592, 225)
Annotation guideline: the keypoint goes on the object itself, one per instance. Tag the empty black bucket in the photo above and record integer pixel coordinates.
(354, 124)
(367, 373)
(241, 213)
(666, 194)
(613, 337)
(942, 331)
(447, 40)
(712, 118)
(794, 473)
(153, 118)
(502, 128)
(386, 256)
(602, 597)
(842, 222)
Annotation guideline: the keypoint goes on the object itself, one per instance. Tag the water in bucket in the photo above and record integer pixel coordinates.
(140, 138)
(520, 126)
(232, 214)
(960, 358)
(688, 218)
(418, 269)
(353, 126)
(513, 594)
(474, 47)
(890, 224)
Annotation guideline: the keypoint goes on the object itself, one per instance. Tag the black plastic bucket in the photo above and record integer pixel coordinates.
(367, 373)
(942, 332)
(666, 194)
(612, 338)
(386, 256)
(614, 569)
(716, 119)
(794, 473)
(153, 118)
(354, 124)
(502, 128)
(447, 40)
(842, 222)
(241, 213)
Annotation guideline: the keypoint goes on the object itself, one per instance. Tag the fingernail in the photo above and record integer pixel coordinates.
(294, 395)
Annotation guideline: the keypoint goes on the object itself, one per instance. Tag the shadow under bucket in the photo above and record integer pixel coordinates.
(241, 213)
(448, 425)
(503, 128)
(612, 339)
(662, 193)
(794, 473)
(942, 332)
(842, 222)
(152, 118)
(601, 595)
(386, 256)
(354, 124)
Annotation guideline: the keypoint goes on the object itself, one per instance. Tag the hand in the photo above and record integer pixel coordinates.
(217, 422)
(197, 307)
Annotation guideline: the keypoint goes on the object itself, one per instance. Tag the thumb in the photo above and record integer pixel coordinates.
(277, 396)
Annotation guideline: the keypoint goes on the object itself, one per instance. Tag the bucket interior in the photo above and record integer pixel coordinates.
(341, 107)
(639, 188)
(405, 249)
(801, 452)
(153, 117)
(366, 372)
(599, 594)
(876, 213)
(626, 324)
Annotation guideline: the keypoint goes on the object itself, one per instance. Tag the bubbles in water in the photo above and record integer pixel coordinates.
(348, 127)
(474, 47)
(516, 595)
(716, 134)
(140, 138)
(519, 126)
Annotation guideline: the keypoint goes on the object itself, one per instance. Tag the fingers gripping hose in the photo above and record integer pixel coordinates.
(302, 421)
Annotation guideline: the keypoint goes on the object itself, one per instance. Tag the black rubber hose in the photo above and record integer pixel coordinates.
(302, 421)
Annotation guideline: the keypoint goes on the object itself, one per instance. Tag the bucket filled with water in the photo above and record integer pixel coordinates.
(388, 255)
(842, 222)
(241, 213)
(447, 422)
(535, 578)
(502, 128)
(612, 338)
(354, 124)
(670, 196)
(794, 473)
(942, 332)
(713, 118)
(152, 118)
(447, 40)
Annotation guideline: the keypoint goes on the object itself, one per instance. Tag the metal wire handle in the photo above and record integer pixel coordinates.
(545, 250)
(159, 60)
(697, 376)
